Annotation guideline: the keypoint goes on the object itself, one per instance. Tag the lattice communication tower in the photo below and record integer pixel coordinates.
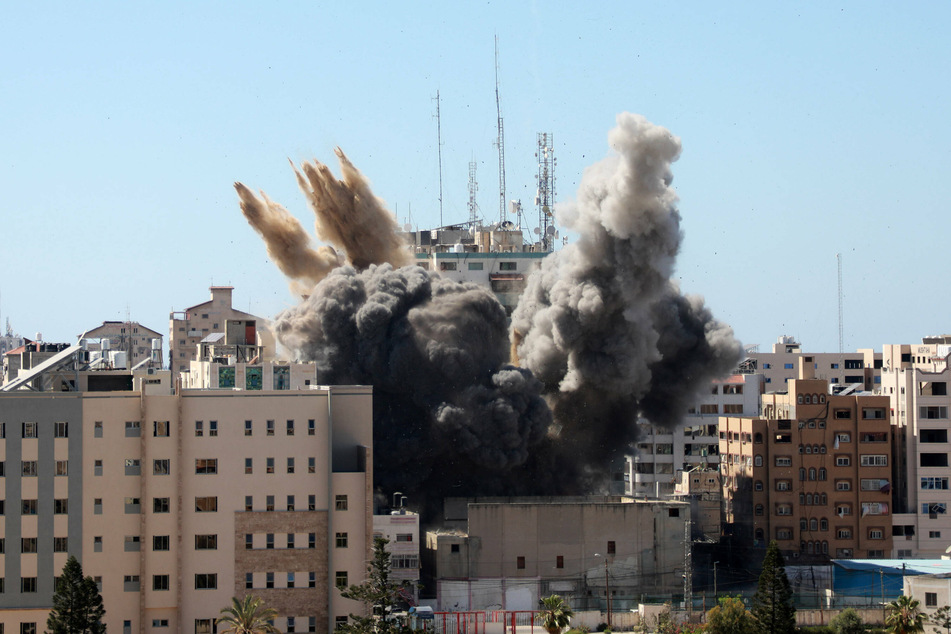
(545, 194)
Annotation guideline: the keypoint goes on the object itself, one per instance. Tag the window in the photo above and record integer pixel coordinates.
(290, 465)
(247, 427)
(842, 414)
(159, 622)
(340, 579)
(822, 474)
(248, 503)
(933, 459)
(934, 534)
(783, 485)
(202, 626)
(843, 533)
(876, 533)
(932, 435)
(931, 599)
(311, 502)
(783, 509)
(878, 413)
(843, 485)
(933, 412)
(787, 366)
(160, 582)
(160, 428)
(208, 504)
(783, 461)
(710, 408)
(269, 503)
(199, 428)
(447, 266)
(206, 581)
(340, 503)
(312, 540)
(269, 541)
(27, 584)
(270, 428)
(269, 465)
(290, 427)
(874, 508)
(843, 509)
(97, 544)
(29, 430)
(161, 467)
(758, 461)
(28, 545)
(206, 542)
(290, 503)
(823, 524)
(842, 461)
(290, 540)
(206, 465)
(758, 485)
(783, 533)
(61, 506)
(97, 468)
(28, 468)
(60, 429)
(160, 542)
(133, 429)
(311, 465)
(62, 467)
(934, 482)
(28, 507)
(161, 505)
(874, 436)
(341, 540)
(249, 580)
(758, 510)
(520, 562)
(212, 428)
(248, 465)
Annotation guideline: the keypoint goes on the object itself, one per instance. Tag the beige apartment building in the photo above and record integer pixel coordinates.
(915, 378)
(175, 503)
(188, 328)
(781, 365)
(136, 343)
(813, 473)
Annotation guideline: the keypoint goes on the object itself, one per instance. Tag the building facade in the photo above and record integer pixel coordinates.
(189, 327)
(813, 473)
(175, 503)
(138, 343)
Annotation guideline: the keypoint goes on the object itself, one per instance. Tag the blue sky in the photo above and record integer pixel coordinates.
(808, 129)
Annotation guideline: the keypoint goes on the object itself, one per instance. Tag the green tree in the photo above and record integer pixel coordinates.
(248, 616)
(556, 615)
(904, 616)
(772, 604)
(77, 604)
(730, 617)
(379, 593)
(847, 621)
(942, 618)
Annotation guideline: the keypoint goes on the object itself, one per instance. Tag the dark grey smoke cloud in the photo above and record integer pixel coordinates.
(447, 406)
(601, 324)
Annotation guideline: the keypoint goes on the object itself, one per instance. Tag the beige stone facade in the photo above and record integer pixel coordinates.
(814, 473)
(177, 502)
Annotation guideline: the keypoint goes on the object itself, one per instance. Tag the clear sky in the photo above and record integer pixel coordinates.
(808, 129)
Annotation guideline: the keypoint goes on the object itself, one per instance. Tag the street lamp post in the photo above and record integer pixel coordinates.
(607, 589)
(716, 598)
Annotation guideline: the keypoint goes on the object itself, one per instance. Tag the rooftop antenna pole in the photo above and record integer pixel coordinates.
(439, 149)
(473, 188)
(500, 141)
(838, 259)
(545, 195)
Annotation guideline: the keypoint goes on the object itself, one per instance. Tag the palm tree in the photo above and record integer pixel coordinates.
(248, 616)
(905, 616)
(556, 615)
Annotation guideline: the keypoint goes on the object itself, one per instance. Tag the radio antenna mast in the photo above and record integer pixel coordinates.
(439, 149)
(500, 141)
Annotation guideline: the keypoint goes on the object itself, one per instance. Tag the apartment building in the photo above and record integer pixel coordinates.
(813, 472)
(780, 365)
(916, 378)
(175, 503)
(400, 528)
(137, 343)
(662, 454)
(188, 328)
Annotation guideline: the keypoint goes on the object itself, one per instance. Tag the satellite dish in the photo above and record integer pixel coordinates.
(550, 230)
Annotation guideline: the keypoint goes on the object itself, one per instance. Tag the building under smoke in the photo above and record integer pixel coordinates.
(603, 337)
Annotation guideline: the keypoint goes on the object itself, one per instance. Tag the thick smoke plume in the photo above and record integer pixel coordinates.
(601, 324)
(348, 215)
(604, 338)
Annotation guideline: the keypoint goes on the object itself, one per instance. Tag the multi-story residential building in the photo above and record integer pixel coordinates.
(813, 473)
(176, 502)
(779, 366)
(495, 257)
(662, 454)
(916, 378)
(188, 329)
(400, 528)
(700, 487)
(138, 343)
(595, 552)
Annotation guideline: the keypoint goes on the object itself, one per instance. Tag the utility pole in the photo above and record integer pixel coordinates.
(607, 590)
(688, 571)
(716, 598)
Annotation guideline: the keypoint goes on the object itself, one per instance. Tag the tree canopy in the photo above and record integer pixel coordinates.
(904, 616)
(730, 617)
(379, 593)
(77, 604)
(556, 614)
(248, 616)
(772, 604)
